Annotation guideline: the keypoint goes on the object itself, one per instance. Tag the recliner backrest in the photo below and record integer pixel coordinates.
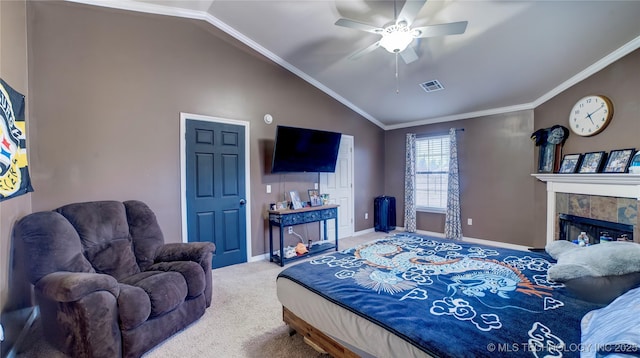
(51, 244)
(104, 234)
(145, 232)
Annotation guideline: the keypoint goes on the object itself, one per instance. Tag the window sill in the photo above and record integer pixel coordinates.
(431, 210)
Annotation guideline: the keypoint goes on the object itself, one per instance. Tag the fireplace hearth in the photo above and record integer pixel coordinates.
(571, 226)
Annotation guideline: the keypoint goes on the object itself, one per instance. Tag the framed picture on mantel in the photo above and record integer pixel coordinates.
(570, 163)
(592, 162)
(619, 160)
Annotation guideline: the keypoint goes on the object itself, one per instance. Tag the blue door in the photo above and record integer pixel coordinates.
(215, 188)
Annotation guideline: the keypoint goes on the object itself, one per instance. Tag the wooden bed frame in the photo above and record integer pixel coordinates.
(314, 337)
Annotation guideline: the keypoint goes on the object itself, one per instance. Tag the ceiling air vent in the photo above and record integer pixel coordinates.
(432, 86)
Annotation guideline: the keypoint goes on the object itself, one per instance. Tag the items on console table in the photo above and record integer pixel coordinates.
(286, 217)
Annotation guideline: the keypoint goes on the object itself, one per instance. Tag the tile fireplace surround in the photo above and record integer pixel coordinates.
(610, 197)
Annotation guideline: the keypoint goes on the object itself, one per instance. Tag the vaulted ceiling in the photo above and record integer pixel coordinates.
(513, 54)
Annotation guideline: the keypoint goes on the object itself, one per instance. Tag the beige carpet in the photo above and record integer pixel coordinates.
(244, 320)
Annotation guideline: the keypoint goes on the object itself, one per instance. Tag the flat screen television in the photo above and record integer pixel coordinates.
(305, 150)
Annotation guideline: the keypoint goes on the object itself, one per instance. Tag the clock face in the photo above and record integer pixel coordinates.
(590, 115)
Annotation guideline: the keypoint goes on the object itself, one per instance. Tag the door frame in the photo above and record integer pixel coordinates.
(183, 170)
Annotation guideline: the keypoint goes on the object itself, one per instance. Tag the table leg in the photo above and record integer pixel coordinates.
(324, 222)
(270, 242)
(336, 232)
(281, 245)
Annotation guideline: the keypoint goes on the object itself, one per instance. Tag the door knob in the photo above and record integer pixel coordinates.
(242, 201)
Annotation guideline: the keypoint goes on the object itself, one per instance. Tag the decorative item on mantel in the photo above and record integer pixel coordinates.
(550, 140)
(634, 168)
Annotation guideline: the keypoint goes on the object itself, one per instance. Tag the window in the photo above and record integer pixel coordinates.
(432, 170)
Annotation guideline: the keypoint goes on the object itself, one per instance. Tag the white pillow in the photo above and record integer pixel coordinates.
(557, 247)
(606, 259)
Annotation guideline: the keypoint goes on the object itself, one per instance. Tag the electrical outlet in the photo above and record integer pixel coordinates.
(469, 221)
(366, 216)
(290, 229)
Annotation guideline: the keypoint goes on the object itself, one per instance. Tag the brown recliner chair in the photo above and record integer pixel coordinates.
(105, 282)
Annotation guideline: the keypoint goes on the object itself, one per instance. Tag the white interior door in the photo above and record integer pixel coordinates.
(339, 186)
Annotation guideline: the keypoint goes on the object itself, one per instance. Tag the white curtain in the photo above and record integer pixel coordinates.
(410, 185)
(452, 224)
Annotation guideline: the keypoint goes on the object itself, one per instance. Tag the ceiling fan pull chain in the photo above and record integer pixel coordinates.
(397, 79)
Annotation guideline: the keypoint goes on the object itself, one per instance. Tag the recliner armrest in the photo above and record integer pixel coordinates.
(200, 252)
(72, 286)
(191, 251)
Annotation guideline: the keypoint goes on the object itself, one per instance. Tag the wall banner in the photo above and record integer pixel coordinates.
(14, 174)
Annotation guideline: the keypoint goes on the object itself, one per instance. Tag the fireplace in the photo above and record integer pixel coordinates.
(571, 226)
(607, 197)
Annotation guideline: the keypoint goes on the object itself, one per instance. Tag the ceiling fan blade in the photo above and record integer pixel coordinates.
(356, 55)
(453, 28)
(409, 11)
(358, 26)
(409, 55)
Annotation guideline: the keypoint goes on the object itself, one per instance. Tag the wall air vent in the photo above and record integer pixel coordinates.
(432, 86)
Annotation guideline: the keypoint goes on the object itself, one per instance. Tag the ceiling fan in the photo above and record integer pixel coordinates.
(397, 36)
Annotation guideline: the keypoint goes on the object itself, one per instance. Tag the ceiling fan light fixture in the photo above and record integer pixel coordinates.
(396, 38)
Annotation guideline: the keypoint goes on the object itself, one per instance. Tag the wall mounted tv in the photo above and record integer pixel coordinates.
(305, 150)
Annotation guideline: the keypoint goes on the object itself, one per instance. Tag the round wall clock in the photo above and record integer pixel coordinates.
(590, 115)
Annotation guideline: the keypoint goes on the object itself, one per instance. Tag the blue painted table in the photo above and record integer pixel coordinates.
(284, 218)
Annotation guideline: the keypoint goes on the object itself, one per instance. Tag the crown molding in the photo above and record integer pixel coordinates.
(202, 15)
(205, 16)
(589, 71)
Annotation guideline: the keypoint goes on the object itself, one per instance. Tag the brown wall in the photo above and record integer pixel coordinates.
(14, 291)
(496, 187)
(496, 157)
(13, 70)
(619, 81)
(108, 87)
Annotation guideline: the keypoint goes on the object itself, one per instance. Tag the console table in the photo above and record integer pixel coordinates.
(285, 217)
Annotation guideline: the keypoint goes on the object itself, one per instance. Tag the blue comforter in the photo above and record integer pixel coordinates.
(450, 298)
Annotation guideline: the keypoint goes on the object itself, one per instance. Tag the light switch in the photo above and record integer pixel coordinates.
(268, 189)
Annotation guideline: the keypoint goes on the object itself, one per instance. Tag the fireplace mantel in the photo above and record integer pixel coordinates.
(602, 178)
(614, 185)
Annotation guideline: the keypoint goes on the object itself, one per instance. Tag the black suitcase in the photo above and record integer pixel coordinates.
(384, 218)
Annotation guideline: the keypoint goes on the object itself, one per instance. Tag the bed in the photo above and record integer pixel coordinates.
(410, 295)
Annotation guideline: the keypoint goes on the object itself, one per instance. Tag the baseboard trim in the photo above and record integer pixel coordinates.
(362, 232)
(259, 258)
(478, 241)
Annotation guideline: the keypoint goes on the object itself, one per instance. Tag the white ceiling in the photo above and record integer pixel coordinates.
(514, 54)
